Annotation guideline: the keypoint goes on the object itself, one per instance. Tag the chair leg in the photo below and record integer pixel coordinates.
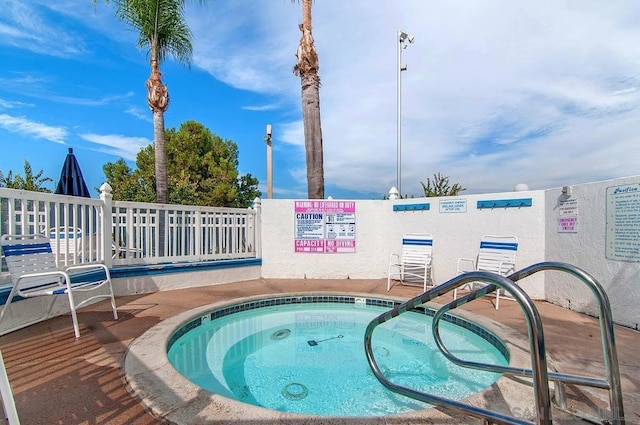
(113, 302)
(6, 304)
(74, 316)
(424, 289)
(497, 298)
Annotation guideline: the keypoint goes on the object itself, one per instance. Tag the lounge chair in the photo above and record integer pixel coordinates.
(66, 244)
(413, 265)
(118, 251)
(497, 254)
(32, 266)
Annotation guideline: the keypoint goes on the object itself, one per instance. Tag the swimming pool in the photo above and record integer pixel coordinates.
(305, 354)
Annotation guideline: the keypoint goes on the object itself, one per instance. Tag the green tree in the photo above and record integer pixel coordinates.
(163, 31)
(203, 170)
(128, 185)
(307, 67)
(439, 186)
(30, 181)
(247, 191)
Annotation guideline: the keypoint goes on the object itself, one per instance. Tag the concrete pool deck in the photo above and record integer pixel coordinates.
(57, 379)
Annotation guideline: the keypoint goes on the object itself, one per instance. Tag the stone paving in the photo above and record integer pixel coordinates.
(58, 379)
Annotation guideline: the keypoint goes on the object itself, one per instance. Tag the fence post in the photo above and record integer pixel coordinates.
(257, 205)
(107, 222)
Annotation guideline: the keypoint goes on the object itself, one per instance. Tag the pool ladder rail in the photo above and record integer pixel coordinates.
(539, 368)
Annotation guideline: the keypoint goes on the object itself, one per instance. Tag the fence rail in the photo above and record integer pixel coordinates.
(83, 230)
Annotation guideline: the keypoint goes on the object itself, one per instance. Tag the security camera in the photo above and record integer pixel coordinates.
(269, 130)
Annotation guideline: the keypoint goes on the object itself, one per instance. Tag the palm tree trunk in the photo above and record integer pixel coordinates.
(307, 68)
(158, 101)
(313, 137)
(161, 157)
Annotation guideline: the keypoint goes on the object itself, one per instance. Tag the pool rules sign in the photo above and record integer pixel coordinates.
(327, 227)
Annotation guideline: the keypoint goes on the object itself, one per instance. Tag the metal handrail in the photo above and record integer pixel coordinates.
(568, 378)
(612, 384)
(536, 344)
(606, 328)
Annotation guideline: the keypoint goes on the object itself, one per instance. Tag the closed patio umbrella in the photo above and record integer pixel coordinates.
(71, 181)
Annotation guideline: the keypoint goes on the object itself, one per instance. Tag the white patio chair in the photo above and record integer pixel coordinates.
(119, 251)
(66, 244)
(33, 271)
(413, 265)
(497, 254)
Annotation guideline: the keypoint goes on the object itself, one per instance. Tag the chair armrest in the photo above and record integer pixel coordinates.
(396, 256)
(465, 265)
(87, 267)
(60, 273)
(506, 267)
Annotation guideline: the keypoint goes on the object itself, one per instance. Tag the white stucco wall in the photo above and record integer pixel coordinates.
(586, 250)
(379, 233)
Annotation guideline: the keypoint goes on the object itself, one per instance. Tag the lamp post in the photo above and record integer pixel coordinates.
(404, 40)
(267, 138)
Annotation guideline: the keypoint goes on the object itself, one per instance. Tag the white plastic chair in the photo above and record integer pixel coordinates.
(33, 271)
(413, 265)
(497, 254)
(118, 251)
(66, 243)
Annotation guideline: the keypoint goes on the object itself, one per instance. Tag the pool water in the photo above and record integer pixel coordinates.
(309, 358)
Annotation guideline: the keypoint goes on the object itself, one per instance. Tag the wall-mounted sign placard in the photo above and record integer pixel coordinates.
(568, 216)
(327, 227)
(623, 223)
(453, 205)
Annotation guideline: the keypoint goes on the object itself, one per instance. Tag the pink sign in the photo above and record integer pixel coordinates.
(325, 226)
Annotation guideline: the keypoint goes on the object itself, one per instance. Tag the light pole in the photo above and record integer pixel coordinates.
(267, 138)
(404, 40)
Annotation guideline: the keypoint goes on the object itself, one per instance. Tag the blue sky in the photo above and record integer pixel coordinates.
(496, 92)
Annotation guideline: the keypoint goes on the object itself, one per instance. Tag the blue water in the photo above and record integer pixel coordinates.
(263, 357)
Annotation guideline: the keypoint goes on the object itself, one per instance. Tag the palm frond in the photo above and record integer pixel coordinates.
(161, 25)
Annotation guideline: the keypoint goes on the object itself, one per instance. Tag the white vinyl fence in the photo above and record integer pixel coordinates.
(83, 230)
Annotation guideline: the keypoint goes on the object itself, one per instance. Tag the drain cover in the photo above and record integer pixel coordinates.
(295, 391)
(280, 334)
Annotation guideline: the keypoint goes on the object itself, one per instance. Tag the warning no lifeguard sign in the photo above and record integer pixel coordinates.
(327, 227)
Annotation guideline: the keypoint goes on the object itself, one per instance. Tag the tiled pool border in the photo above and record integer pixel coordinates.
(487, 335)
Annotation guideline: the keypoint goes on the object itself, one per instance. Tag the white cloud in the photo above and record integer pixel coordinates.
(117, 145)
(8, 104)
(493, 88)
(260, 108)
(26, 27)
(26, 127)
(143, 115)
(496, 92)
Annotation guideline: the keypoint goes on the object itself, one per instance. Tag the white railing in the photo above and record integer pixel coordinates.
(191, 233)
(83, 230)
(74, 225)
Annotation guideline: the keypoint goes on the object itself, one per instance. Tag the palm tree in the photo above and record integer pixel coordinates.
(163, 31)
(307, 68)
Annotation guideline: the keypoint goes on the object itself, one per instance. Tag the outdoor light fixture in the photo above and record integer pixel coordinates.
(404, 40)
(403, 36)
(267, 138)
